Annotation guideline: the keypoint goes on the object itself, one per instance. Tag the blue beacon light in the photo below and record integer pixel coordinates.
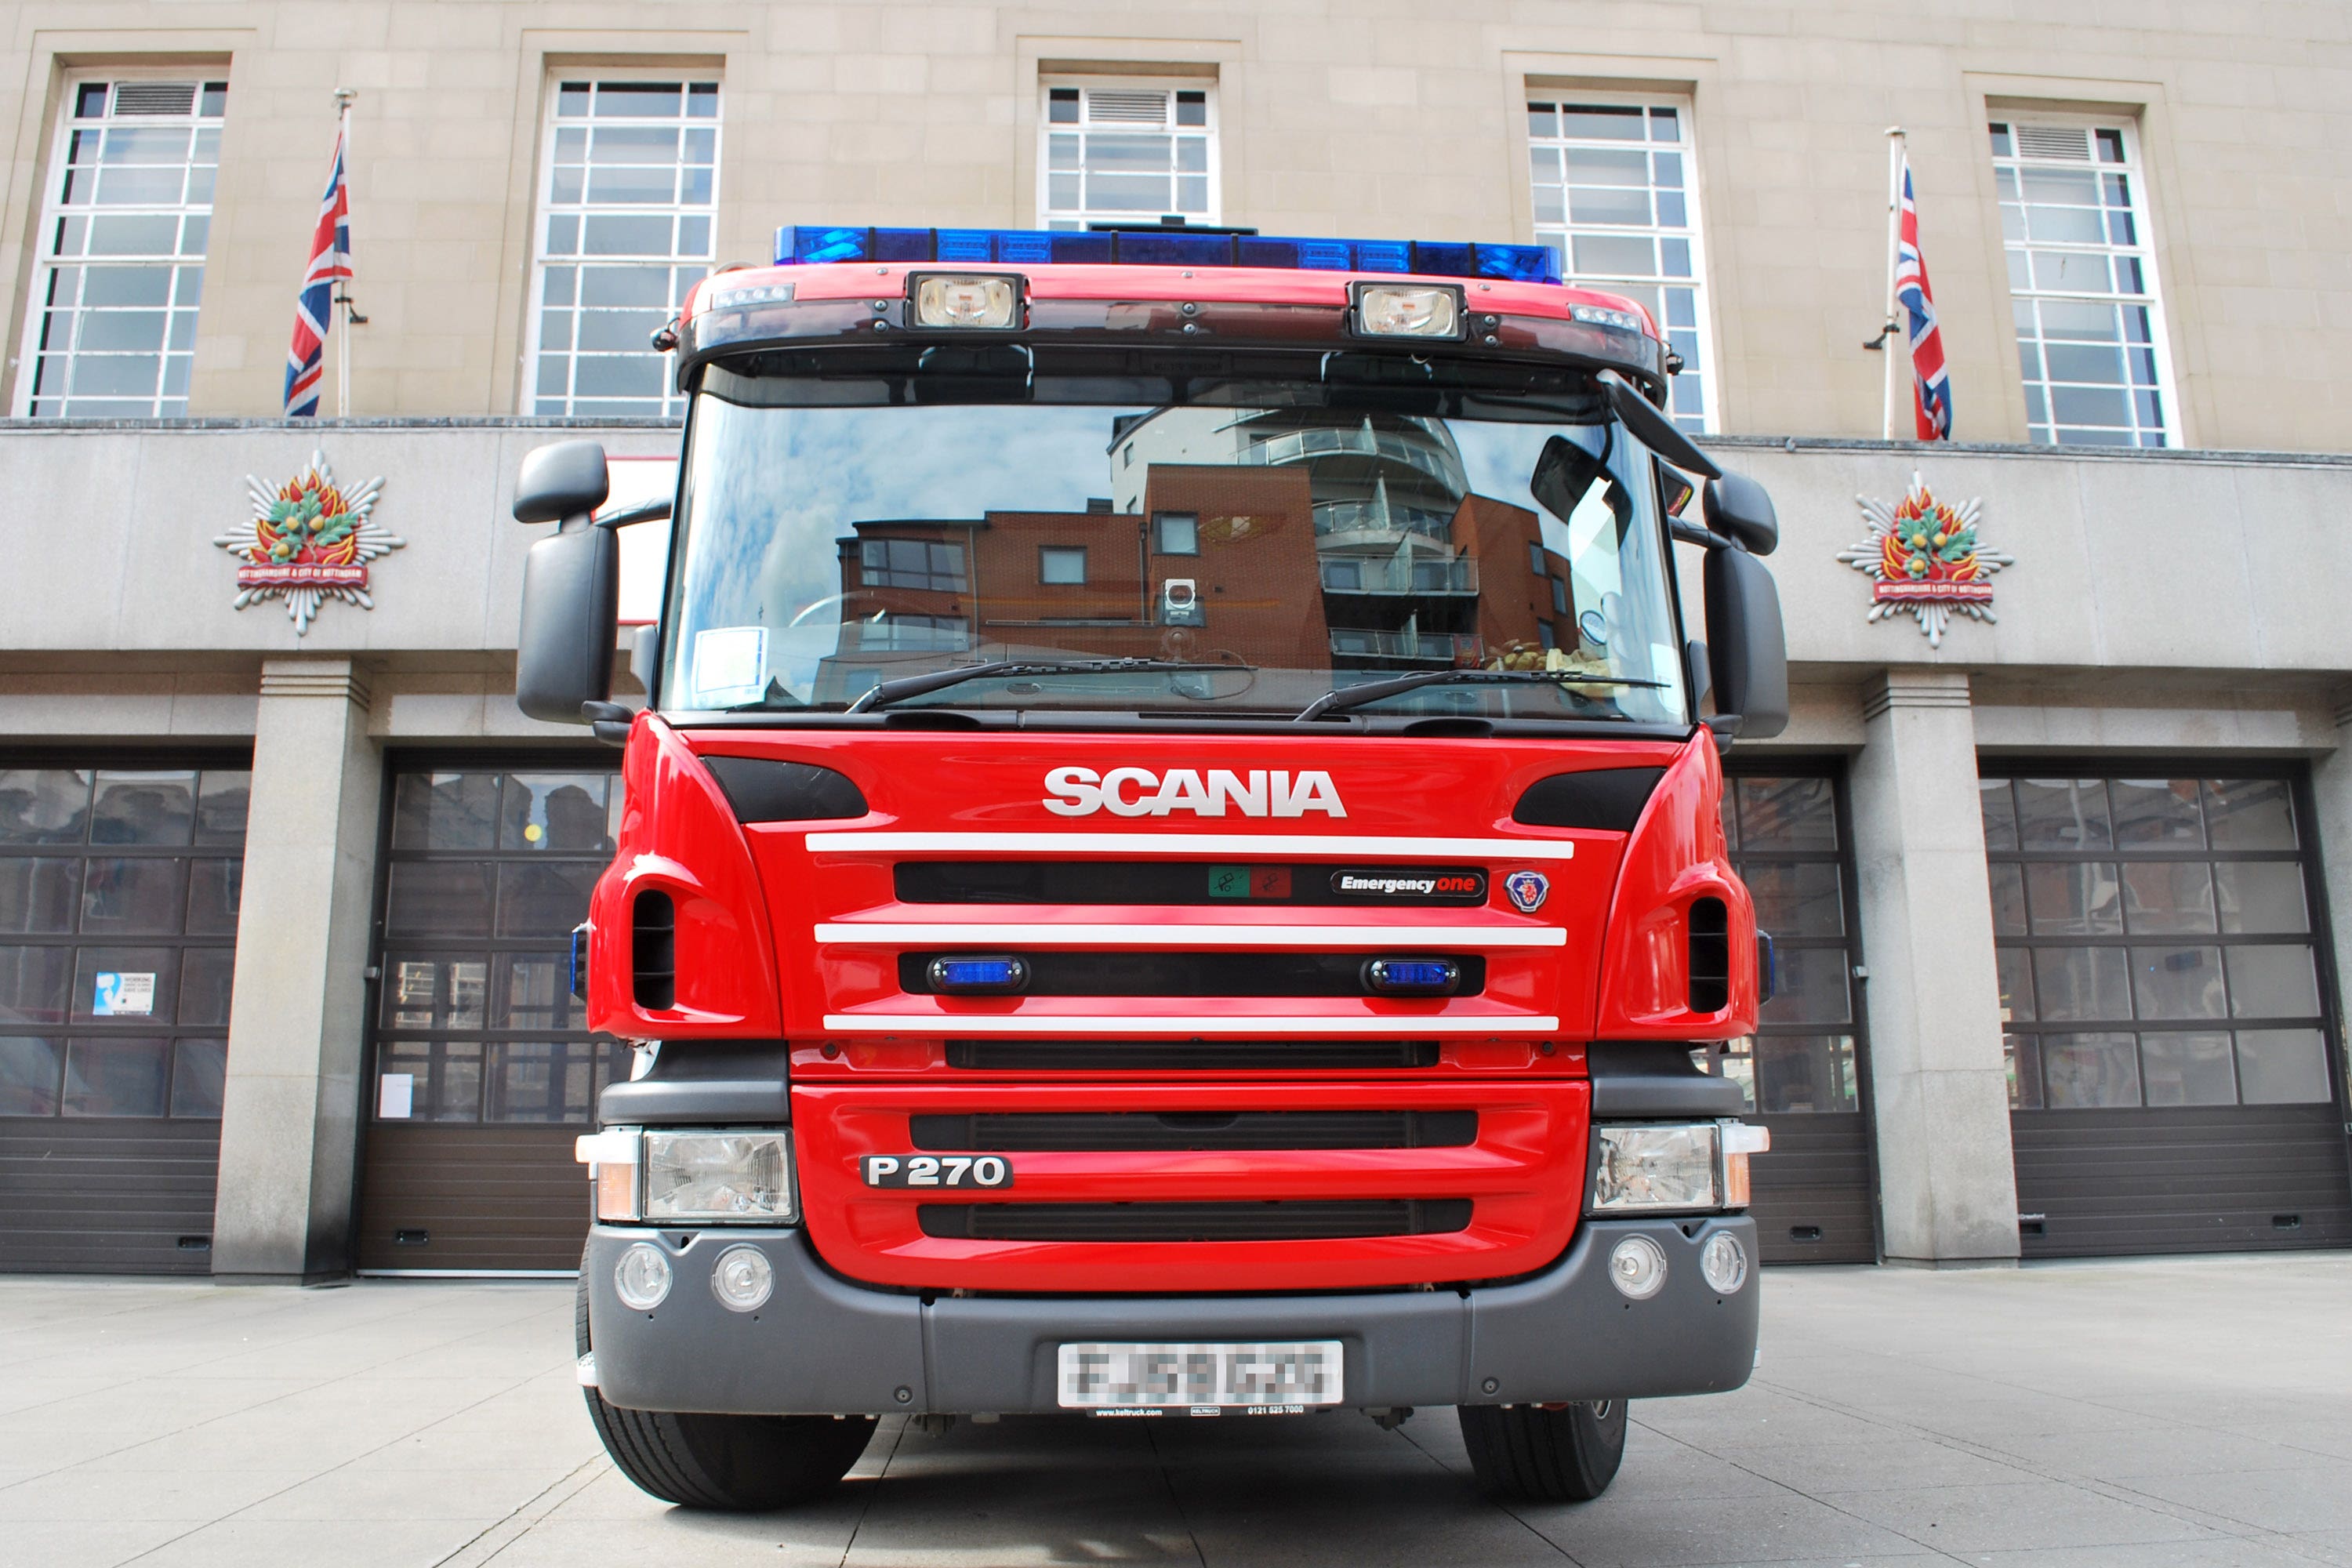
(814, 244)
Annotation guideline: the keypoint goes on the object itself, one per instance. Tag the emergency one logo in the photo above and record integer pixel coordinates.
(309, 541)
(1925, 558)
(1140, 792)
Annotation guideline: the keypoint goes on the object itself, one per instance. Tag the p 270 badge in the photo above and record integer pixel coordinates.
(936, 1171)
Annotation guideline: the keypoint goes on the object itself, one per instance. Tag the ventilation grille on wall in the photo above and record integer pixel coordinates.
(155, 98)
(2069, 141)
(1127, 106)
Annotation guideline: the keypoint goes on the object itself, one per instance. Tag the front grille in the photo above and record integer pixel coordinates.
(1008, 1133)
(1191, 973)
(1190, 1055)
(1275, 1220)
(1084, 882)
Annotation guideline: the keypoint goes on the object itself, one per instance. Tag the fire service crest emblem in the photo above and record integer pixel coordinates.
(309, 540)
(1926, 558)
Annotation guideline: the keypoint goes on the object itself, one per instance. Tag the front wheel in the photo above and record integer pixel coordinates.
(744, 1464)
(1565, 1455)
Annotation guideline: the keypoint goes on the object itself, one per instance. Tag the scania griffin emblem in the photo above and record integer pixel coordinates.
(1528, 890)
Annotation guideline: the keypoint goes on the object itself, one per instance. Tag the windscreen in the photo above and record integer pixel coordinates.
(1209, 543)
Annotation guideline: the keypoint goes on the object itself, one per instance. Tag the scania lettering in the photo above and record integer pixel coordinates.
(1170, 863)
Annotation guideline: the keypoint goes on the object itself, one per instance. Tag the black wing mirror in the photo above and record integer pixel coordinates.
(1748, 650)
(565, 481)
(1737, 508)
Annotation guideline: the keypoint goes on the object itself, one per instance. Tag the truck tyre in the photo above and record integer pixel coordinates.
(1567, 1455)
(744, 1464)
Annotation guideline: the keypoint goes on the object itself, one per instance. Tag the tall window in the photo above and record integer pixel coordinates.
(2090, 338)
(1616, 197)
(112, 328)
(1128, 151)
(628, 190)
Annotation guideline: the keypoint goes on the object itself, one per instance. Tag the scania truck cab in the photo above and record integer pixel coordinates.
(1171, 863)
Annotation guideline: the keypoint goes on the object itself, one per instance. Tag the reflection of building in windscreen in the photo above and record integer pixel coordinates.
(1284, 538)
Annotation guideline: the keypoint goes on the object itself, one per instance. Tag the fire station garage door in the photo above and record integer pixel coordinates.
(2172, 1085)
(1806, 1069)
(119, 892)
(483, 1071)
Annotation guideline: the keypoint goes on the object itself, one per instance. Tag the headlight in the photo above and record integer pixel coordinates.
(1646, 1168)
(1408, 310)
(746, 1177)
(991, 303)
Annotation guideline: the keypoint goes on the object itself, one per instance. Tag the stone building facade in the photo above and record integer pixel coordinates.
(2056, 886)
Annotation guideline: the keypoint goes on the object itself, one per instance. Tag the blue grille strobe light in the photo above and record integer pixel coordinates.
(978, 976)
(1411, 976)
(803, 244)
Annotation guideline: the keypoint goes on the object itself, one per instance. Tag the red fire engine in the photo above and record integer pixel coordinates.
(1171, 863)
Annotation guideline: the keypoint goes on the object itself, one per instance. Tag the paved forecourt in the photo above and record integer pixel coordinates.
(2149, 1414)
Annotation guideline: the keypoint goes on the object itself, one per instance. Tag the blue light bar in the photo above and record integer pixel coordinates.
(1412, 976)
(805, 244)
(978, 976)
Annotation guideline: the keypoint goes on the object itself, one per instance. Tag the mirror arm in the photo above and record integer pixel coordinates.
(1657, 432)
(1692, 533)
(609, 721)
(652, 511)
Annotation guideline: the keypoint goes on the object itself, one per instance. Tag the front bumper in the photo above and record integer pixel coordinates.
(822, 1345)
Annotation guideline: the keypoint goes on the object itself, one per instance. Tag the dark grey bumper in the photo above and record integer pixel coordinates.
(821, 1346)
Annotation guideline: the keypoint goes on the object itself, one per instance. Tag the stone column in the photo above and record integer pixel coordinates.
(1947, 1183)
(289, 1123)
(2331, 790)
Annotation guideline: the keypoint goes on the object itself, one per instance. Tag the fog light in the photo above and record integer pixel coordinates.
(992, 303)
(1637, 1267)
(1724, 1262)
(1398, 310)
(641, 1279)
(744, 1279)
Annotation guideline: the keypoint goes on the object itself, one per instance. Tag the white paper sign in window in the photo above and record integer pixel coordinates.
(123, 994)
(731, 665)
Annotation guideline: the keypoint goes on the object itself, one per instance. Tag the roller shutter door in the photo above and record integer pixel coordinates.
(119, 895)
(2171, 1011)
(482, 1070)
(1806, 1069)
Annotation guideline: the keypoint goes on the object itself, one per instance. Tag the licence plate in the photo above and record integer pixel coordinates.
(1284, 1377)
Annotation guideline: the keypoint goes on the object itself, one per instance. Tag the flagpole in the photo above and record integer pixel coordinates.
(1894, 144)
(341, 297)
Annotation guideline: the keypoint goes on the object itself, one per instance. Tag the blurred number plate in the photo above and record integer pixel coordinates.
(1269, 1377)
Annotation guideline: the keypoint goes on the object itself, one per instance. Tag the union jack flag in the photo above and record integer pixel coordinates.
(331, 261)
(1931, 389)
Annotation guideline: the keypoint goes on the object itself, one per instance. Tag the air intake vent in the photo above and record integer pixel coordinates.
(1710, 956)
(1021, 1132)
(155, 98)
(653, 950)
(1275, 1221)
(2069, 141)
(763, 790)
(1127, 106)
(1189, 1056)
(1607, 798)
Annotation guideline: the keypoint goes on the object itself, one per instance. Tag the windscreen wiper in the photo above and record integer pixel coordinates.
(1373, 690)
(890, 691)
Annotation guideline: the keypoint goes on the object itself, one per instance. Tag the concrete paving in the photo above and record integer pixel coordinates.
(2161, 1414)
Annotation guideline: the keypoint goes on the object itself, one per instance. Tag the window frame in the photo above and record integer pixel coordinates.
(51, 210)
(2135, 168)
(1160, 522)
(1045, 550)
(1710, 420)
(1048, 216)
(527, 395)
